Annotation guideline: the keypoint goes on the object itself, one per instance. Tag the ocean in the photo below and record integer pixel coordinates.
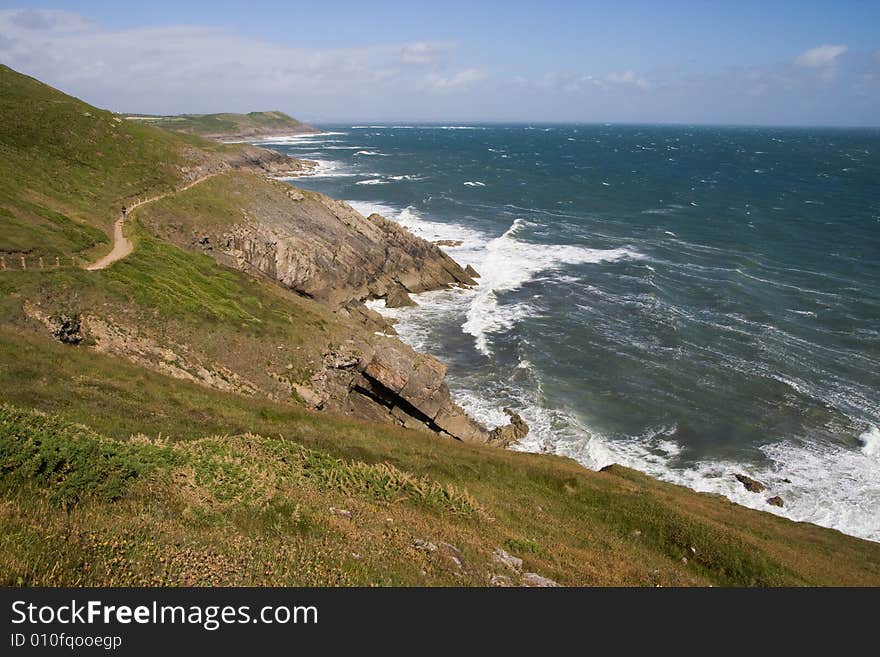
(691, 302)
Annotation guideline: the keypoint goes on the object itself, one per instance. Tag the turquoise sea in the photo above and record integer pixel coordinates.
(692, 302)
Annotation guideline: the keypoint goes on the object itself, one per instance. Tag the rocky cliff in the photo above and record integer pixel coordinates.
(323, 249)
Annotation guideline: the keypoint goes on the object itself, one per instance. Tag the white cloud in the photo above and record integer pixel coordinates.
(424, 52)
(459, 81)
(187, 68)
(190, 68)
(825, 55)
(627, 77)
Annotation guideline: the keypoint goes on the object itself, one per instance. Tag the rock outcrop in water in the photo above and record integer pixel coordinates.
(751, 485)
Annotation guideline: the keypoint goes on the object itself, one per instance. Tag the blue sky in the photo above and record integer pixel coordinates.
(801, 63)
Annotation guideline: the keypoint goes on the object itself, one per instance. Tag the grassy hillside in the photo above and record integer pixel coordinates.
(67, 167)
(179, 454)
(228, 125)
(245, 491)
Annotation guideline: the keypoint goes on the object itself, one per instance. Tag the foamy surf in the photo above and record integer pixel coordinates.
(832, 486)
(507, 264)
(324, 169)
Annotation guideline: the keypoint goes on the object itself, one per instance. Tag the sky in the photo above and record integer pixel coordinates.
(676, 61)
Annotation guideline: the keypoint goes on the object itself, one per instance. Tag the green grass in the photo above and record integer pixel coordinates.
(246, 469)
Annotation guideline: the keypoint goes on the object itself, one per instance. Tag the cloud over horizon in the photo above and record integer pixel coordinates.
(824, 55)
(199, 68)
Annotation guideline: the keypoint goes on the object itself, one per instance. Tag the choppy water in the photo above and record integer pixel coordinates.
(691, 302)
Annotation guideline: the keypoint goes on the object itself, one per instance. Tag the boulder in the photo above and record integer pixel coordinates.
(776, 501)
(537, 581)
(423, 546)
(504, 558)
(398, 297)
(509, 434)
(502, 581)
(751, 485)
(412, 386)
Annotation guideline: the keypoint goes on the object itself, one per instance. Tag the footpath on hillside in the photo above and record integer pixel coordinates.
(122, 246)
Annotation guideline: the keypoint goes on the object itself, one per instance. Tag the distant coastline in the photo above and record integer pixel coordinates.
(231, 127)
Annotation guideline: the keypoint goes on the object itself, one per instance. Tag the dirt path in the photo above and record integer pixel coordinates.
(122, 246)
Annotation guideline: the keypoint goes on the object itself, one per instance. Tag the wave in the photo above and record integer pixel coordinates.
(507, 265)
(474, 183)
(325, 169)
(372, 181)
(373, 153)
(407, 177)
(870, 441)
(437, 127)
(830, 484)
(308, 138)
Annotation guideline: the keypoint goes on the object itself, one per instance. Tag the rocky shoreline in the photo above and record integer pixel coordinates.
(323, 249)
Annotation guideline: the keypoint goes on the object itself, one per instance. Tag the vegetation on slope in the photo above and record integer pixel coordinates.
(228, 125)
(67, 167)
(176, 483)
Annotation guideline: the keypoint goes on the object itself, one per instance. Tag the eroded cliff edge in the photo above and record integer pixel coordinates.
(323, 249)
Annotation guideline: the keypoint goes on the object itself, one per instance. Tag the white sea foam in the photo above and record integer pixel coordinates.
(372, 181)
(508, 263)
(325, 169)
(870, 441)
(474, 183)
(308, 138)
(406, 177)
(831, 485)
(437, 127)
(373, 153)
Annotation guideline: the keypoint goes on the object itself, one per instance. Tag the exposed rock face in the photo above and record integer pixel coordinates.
(398, 298)
(751, 485)
(246, 157)
(391, 383)
(325, 249)
(411, 387)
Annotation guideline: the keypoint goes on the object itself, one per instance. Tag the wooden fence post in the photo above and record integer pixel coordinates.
(41, 263)
(3, 263)
(57, 262)
(23, 264)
